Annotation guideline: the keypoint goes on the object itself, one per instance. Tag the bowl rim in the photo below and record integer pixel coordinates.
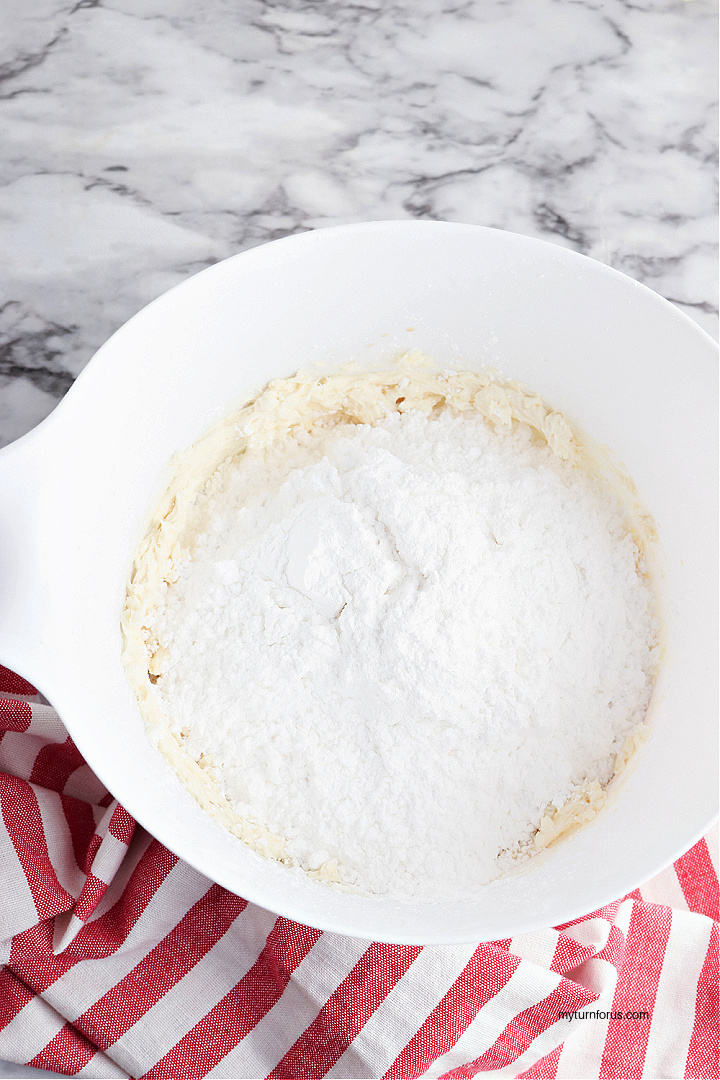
(312, 236)
(543, 249)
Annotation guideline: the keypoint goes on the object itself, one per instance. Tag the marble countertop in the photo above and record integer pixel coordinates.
(146, 140)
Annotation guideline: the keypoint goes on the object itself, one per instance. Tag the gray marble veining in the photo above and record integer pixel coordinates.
(144, 141)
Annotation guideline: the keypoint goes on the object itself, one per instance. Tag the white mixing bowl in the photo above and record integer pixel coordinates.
(614, 357)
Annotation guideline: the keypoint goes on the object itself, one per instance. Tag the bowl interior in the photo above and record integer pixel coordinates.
(618, 360)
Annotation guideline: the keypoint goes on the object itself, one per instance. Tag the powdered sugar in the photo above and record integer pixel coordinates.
(398, 643)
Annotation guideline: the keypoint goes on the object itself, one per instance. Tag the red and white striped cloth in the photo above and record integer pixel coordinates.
(120, 960)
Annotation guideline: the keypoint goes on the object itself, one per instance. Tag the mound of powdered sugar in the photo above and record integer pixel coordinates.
(399, 643)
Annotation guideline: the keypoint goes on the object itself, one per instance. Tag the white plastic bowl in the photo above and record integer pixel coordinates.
(616, 358)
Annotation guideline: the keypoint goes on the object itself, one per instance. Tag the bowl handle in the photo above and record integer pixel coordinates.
(23, 579)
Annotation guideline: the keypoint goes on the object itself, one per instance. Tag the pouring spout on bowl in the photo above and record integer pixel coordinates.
(24, 467)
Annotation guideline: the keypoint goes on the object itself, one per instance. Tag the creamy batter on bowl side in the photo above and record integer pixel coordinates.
(395, 629)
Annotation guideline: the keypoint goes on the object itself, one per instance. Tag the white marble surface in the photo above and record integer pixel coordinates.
(144, 140)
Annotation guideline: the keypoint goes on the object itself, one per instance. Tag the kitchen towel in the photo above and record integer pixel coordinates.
(119, 960)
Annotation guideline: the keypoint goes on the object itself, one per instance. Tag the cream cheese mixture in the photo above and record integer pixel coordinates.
(395, 628)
